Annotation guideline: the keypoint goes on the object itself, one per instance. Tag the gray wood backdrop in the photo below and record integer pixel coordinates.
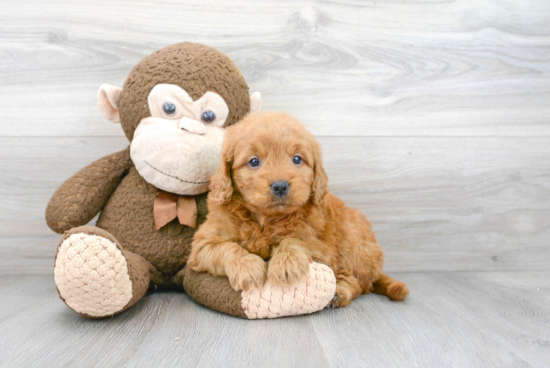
(434, 115)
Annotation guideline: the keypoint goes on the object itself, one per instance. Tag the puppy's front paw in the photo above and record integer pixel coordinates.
(248, 272)
(288, 268)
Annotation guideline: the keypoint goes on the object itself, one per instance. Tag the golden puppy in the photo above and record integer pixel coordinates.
(269, 201)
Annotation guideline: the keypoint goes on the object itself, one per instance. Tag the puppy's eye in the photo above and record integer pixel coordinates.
(169, 108)
(297, 160)
(208, 116)
(255, 162)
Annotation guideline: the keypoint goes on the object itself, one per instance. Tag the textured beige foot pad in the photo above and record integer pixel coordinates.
(311, 295)
(92, 276)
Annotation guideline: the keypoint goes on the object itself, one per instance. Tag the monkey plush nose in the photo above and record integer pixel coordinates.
(192, 126)
(280, 188)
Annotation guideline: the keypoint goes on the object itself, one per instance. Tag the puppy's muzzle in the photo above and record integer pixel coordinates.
(280, 188)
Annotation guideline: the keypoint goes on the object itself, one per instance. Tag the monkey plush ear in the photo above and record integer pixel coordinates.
(255, 102)
(108, 98)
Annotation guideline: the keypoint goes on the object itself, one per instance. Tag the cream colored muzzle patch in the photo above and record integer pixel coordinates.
(311, 295)
(91, 275)
(192, 125)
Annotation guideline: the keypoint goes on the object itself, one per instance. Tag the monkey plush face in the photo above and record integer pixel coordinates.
(174, 108)
(177, 149)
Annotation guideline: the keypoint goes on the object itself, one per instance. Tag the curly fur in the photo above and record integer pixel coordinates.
(248, 225)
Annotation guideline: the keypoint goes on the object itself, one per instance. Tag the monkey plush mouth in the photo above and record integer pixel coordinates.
(173, 159)
(175, 177)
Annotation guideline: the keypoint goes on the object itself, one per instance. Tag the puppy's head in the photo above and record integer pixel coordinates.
(273, 162)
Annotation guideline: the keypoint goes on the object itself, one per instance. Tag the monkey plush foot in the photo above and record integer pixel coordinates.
(95, 276)
(311, 295)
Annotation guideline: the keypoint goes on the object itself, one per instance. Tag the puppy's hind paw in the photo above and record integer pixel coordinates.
(342, 298)
(248, 272)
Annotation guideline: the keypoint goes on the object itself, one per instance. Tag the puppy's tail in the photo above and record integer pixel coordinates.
(387, 285)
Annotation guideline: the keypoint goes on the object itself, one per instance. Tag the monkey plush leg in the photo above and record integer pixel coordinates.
(311, 295)
(95, 276)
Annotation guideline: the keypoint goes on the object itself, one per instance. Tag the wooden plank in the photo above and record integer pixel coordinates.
(451, 319)
(436, 203)
(27, 254)
(146, 334)
(352, 68)
(23, 291)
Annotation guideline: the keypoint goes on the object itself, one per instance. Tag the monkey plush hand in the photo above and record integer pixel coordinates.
(152, 196)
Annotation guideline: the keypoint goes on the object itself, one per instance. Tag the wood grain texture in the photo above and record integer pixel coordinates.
(348, 67)
(451, 320)
(434, 118)
(436, 204)
(434, 115)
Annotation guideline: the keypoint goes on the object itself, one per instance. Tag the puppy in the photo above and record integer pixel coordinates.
(270, 215)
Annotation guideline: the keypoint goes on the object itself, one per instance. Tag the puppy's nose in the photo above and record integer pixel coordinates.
(280, 188)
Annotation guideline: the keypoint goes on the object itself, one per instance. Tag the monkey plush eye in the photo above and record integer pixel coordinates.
(208, 116)
(169, 108)
(297, 160)
(255, 162)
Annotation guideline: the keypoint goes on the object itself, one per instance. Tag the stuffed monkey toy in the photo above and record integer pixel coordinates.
(151, 196)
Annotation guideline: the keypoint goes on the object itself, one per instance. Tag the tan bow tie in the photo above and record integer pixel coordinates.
(168, 206)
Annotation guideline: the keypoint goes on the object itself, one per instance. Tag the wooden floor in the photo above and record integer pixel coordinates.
(434, 117)
(453, 319)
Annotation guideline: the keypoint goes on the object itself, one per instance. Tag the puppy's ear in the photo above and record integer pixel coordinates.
(221, 187)
(320, 177)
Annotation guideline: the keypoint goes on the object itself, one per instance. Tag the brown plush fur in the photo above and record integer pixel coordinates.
(247, 224)
(194, 67)
(113, 186)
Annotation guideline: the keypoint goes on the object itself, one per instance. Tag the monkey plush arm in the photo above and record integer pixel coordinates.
(84, 194)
